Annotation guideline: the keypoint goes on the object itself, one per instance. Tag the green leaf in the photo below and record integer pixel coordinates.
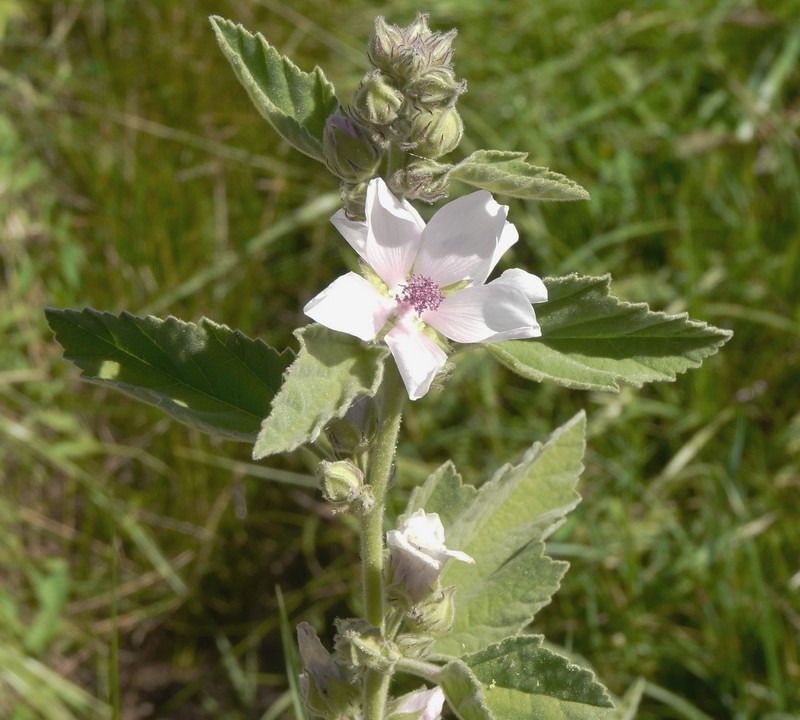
(524, 680)
(592, 340)
(331, 370)
(464, 692)
(442, 493)
(508, 173)
(503, 529)
(203, 374)
(294, 102)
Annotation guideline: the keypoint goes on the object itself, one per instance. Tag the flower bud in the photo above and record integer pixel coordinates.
(417, 554)
(355, 431)
(384, 44)
(341, 483)
(436, 133)
(435, 615)
(425, 180)
(407, 53)
(359, 647)
(414, 645)
(349, 152)
(436, 89)
(377, 101)
(325, 693)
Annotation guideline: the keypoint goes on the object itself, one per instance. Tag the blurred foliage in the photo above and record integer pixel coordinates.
(138, 559)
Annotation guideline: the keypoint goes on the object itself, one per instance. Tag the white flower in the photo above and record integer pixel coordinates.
(429, 278)
(418, 553)
(428, 703)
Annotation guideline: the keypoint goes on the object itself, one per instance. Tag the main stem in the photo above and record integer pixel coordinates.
(379, 472)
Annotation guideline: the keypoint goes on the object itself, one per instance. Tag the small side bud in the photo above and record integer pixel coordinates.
(340, 482)
(435, 615)
(414, 645)
(354, 433)
(436, 89)
(377, 101)
(359, 646)
(349, 153)
(425, 180)
(436, 133)
(384, 44)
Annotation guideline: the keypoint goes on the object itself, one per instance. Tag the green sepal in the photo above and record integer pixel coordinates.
(331, 370)
(592, 340)
(294, 102)
(203, 374)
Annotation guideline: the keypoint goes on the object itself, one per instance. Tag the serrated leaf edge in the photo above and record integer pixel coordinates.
(126, 315)
(316, 75)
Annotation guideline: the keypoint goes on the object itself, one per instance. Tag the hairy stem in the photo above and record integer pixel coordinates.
(379, 472)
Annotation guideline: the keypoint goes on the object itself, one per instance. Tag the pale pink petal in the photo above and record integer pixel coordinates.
(460, 240)
(417, 552)
(351, 305)
(428, 702)
(530, 285)
(507, 238)
(394, 233)
(484, 313)
(354, 231)
(419, 358)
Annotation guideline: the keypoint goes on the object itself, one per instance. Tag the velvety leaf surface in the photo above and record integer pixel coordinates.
(509, 173)
(592, 340)
(331, 370)
(524, 680)
(443, 493)
(464, 692)
(503, 528)
(296, 103)
(203, 374)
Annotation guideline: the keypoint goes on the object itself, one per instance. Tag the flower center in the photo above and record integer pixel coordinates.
(421, 293)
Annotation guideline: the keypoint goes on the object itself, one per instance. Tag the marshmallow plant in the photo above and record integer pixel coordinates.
(449, 592)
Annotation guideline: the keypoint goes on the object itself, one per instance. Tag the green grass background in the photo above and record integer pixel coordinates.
(139, 559)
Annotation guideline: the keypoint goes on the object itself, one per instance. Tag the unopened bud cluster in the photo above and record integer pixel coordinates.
(407, 102)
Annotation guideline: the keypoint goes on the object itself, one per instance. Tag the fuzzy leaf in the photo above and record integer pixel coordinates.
(503, 529)
(203, 374)
(331, 370)
(442, 493)
(508, 173)
(523, 680)
(592, 340)
(464, 692)
(295, 103)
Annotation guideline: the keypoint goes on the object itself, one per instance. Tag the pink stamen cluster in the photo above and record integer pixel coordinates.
(421, 293)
